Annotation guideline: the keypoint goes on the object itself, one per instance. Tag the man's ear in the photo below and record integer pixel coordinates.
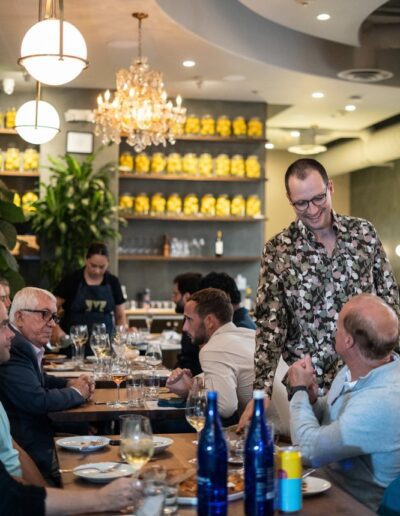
(211, 323)
(18, 319)
(185, 297)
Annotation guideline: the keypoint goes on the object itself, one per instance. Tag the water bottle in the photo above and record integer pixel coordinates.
(259, 463)
(212, 464)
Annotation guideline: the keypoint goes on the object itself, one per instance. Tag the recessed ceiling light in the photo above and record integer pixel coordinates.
(295, 134)
(235, 78)
(324, 17)
(269, 145)
(318, 95)
(350, 107)
(397, 250)
(188, 63)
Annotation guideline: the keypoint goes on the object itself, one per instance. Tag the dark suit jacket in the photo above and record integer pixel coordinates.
(28, 396)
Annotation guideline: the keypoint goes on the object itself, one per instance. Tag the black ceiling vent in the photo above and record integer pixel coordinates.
(365, 75)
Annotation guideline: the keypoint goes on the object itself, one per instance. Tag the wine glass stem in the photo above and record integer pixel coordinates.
(118, 402)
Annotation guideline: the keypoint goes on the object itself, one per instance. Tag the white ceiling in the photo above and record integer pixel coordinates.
(283, 53)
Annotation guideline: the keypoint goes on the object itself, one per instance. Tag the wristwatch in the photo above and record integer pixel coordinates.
(293, 390)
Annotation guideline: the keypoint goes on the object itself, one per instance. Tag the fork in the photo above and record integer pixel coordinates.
(106, 469)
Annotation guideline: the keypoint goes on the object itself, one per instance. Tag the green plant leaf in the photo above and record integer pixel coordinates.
(9, 232)
(10, 212)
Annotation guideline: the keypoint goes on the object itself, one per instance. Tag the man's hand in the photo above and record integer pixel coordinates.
(85, 385)
(248, 413)
(301, 373)
(119, 494)
(180, 382)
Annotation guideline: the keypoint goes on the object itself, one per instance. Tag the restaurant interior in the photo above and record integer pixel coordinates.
(318, 78)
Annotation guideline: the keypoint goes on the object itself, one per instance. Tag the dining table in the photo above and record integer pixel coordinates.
(334, 501)
(99, 409)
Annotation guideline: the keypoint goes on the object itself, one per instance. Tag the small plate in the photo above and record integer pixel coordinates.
(314, 485)
(54, 357)
(59, 367)
(161, 444)
(88, 472)
(83, 443)
(183, 500)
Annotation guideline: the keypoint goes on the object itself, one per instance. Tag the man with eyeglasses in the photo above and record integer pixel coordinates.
(309, 271)
(27, 393)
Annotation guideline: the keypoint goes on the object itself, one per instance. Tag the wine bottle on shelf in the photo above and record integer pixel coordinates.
(259, 463)
(219, 245)
(166, 246)
(212, 464)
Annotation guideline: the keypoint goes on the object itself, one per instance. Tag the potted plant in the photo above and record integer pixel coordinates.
(76, 208)
(10, 214)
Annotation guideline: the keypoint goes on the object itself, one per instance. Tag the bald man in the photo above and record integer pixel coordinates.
(355, 428)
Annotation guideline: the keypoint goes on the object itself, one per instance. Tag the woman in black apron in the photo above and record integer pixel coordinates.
(91, 295)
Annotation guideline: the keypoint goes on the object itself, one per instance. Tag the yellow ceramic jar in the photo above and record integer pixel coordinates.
(142, 163)
(207, 206)
(207, 126)
(192, 125)
(31, 159)
(239, 126)
(223, 206)
(174, 163)
(158, 204)
(238, 206)
(158, 163)
(253, 167)
(237, 166)
(205, 166)
(191, 204)
(253, 206)
(126, 202)
(142, 204)
(10, 118)
(13, 159)
(224, 126)
(190, 164)
(27, 200)
(222, 165)
(255, 128)
(174, 204)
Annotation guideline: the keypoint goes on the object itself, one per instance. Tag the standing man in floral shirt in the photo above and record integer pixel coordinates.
(308, 272)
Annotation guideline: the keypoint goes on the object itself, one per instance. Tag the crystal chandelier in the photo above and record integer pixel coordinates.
(140, 109)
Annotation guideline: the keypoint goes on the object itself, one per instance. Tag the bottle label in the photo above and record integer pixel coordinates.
(219, 248)
(264, 484)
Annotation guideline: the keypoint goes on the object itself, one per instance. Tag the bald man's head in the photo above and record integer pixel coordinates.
(372, 324)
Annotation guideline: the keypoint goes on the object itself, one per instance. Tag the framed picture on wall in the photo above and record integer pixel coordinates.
(80, 142)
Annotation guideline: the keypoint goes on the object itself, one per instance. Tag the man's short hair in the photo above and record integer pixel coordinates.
(188, 282)
(4, 282)
(213, 301)
(371, 342)
(28, 298)
(301, 168)
(224, 282)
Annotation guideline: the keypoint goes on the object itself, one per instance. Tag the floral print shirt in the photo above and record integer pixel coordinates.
(302, 290)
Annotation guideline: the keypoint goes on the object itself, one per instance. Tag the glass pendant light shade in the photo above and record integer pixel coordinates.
(40, 52)
(40, 127)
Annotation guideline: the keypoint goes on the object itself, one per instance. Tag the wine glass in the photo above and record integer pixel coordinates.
(136, 445)
(99, 329)
(153, 355)
(118, 373)
(196, 405)
(79, 335)
(149, 321)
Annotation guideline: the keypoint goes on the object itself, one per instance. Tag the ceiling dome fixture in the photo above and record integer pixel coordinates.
(37, 121)
(53, 51)
(365, 75)
(307, 145)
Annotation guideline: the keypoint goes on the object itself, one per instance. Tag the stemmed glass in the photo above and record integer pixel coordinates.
(79, 335)
(196, 405)
(99, 329)
(153, 355)
(149, 321)
(119, 373)
(137, 445)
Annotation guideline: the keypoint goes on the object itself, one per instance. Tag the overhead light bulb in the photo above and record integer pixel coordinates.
(294, 134)
(269, 146)
(53, 51)
(350, 107)
(318, 95)
(323, 17)
(8, 86)
(189, 63)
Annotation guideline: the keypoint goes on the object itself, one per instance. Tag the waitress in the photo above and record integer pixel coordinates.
(91, 295)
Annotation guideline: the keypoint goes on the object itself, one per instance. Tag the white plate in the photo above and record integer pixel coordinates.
(59, 367)
(88, 472)
(54, 357)
(183, 500)
(83, 443)
(314, 485)
(92, 358)
(161, 444)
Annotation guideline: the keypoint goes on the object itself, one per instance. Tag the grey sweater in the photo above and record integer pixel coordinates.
(355, 429)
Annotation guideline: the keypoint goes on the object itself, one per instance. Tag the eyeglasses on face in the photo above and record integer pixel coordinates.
(47, 316)
(4, 324)
(317, 200)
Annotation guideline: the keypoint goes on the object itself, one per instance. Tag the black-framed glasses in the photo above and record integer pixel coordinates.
(317, 200)
(4, 298)
(47, 316)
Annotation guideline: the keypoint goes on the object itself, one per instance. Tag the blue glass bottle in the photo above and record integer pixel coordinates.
(259, 463)
(212, 464)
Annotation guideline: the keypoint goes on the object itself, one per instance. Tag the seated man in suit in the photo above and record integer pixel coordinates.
(226, 354)
(28, 394)
(355, 428)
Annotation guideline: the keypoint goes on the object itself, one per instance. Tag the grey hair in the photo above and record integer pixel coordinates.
(28, 298)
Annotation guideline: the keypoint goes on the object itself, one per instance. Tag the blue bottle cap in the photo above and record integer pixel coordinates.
(211, 395)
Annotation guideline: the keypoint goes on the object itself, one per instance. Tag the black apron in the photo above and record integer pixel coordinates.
(92, 304)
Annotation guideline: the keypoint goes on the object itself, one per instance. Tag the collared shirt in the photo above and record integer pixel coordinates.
(302, 290)
(9, 456)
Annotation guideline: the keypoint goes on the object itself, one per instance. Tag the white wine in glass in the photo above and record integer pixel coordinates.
(196, 405)
(118, 373)
(136, 445)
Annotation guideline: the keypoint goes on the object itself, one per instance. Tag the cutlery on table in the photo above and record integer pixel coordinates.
(105, 469)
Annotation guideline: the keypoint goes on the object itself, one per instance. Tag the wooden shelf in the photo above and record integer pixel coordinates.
(159, 258)
(3, 130)
(191, 218)
(215, 139)
(177, 177)
(27, 173)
